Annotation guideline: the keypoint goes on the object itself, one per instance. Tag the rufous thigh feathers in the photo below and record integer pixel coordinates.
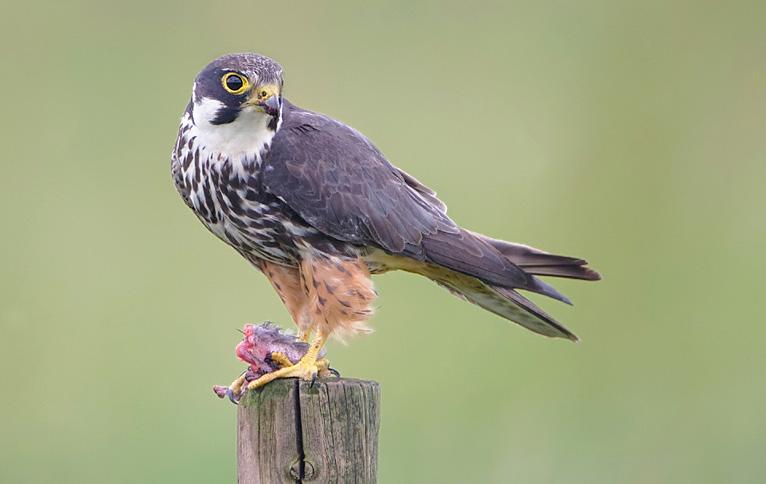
(289, 285)
(340, 294)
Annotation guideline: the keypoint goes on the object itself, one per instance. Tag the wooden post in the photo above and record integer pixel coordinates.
(289, 432)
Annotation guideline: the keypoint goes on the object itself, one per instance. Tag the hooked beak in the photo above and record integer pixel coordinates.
(271, 105)
(265, 99)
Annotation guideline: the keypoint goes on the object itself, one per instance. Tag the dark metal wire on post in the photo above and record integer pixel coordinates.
(290, 431)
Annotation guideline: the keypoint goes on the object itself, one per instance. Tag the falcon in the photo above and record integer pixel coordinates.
(317, 208)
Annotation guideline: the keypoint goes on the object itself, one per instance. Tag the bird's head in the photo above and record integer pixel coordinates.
(237, 101)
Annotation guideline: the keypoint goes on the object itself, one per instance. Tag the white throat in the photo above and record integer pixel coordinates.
(245, 138)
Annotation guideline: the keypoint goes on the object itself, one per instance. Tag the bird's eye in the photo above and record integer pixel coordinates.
(234, 83)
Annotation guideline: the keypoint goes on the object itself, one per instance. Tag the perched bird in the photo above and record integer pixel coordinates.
(317, 208)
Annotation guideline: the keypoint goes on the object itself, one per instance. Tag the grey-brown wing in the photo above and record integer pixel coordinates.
(337, 181)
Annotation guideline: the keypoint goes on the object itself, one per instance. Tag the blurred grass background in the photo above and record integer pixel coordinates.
(628, 133)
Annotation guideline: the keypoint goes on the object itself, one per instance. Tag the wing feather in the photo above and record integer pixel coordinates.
(341, 184)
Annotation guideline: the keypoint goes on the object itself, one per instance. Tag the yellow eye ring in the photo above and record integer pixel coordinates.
(234, 83)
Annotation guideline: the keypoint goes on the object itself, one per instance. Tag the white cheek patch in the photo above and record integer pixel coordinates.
(205, 110)
(244, 138)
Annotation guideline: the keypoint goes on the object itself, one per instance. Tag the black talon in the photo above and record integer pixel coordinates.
(313, 380)
(334, 372)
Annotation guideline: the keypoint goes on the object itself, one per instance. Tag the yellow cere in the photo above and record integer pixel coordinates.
(266, 91)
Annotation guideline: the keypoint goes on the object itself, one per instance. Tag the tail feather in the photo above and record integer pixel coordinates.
(473, 254)
(508, 304)
(569, 272)
(541, 287)
(489, 273)
(540, 263)
(535, 310)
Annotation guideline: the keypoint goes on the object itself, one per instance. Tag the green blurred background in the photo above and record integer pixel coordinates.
(628, 133)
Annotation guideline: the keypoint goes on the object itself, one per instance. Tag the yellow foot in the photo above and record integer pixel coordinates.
(323, 366)
(281, 359)
(306, 369)
(236, 385)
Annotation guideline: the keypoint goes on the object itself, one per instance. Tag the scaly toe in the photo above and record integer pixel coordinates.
(307, 371)
(324, 370)
(303, 370)
(281, 359)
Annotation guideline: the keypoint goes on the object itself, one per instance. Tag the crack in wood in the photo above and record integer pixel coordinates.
(299, 432)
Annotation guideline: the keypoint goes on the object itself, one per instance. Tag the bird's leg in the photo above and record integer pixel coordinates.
(305, 334)
(307, 368)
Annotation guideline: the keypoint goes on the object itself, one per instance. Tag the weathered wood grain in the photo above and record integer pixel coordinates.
(292, 432)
